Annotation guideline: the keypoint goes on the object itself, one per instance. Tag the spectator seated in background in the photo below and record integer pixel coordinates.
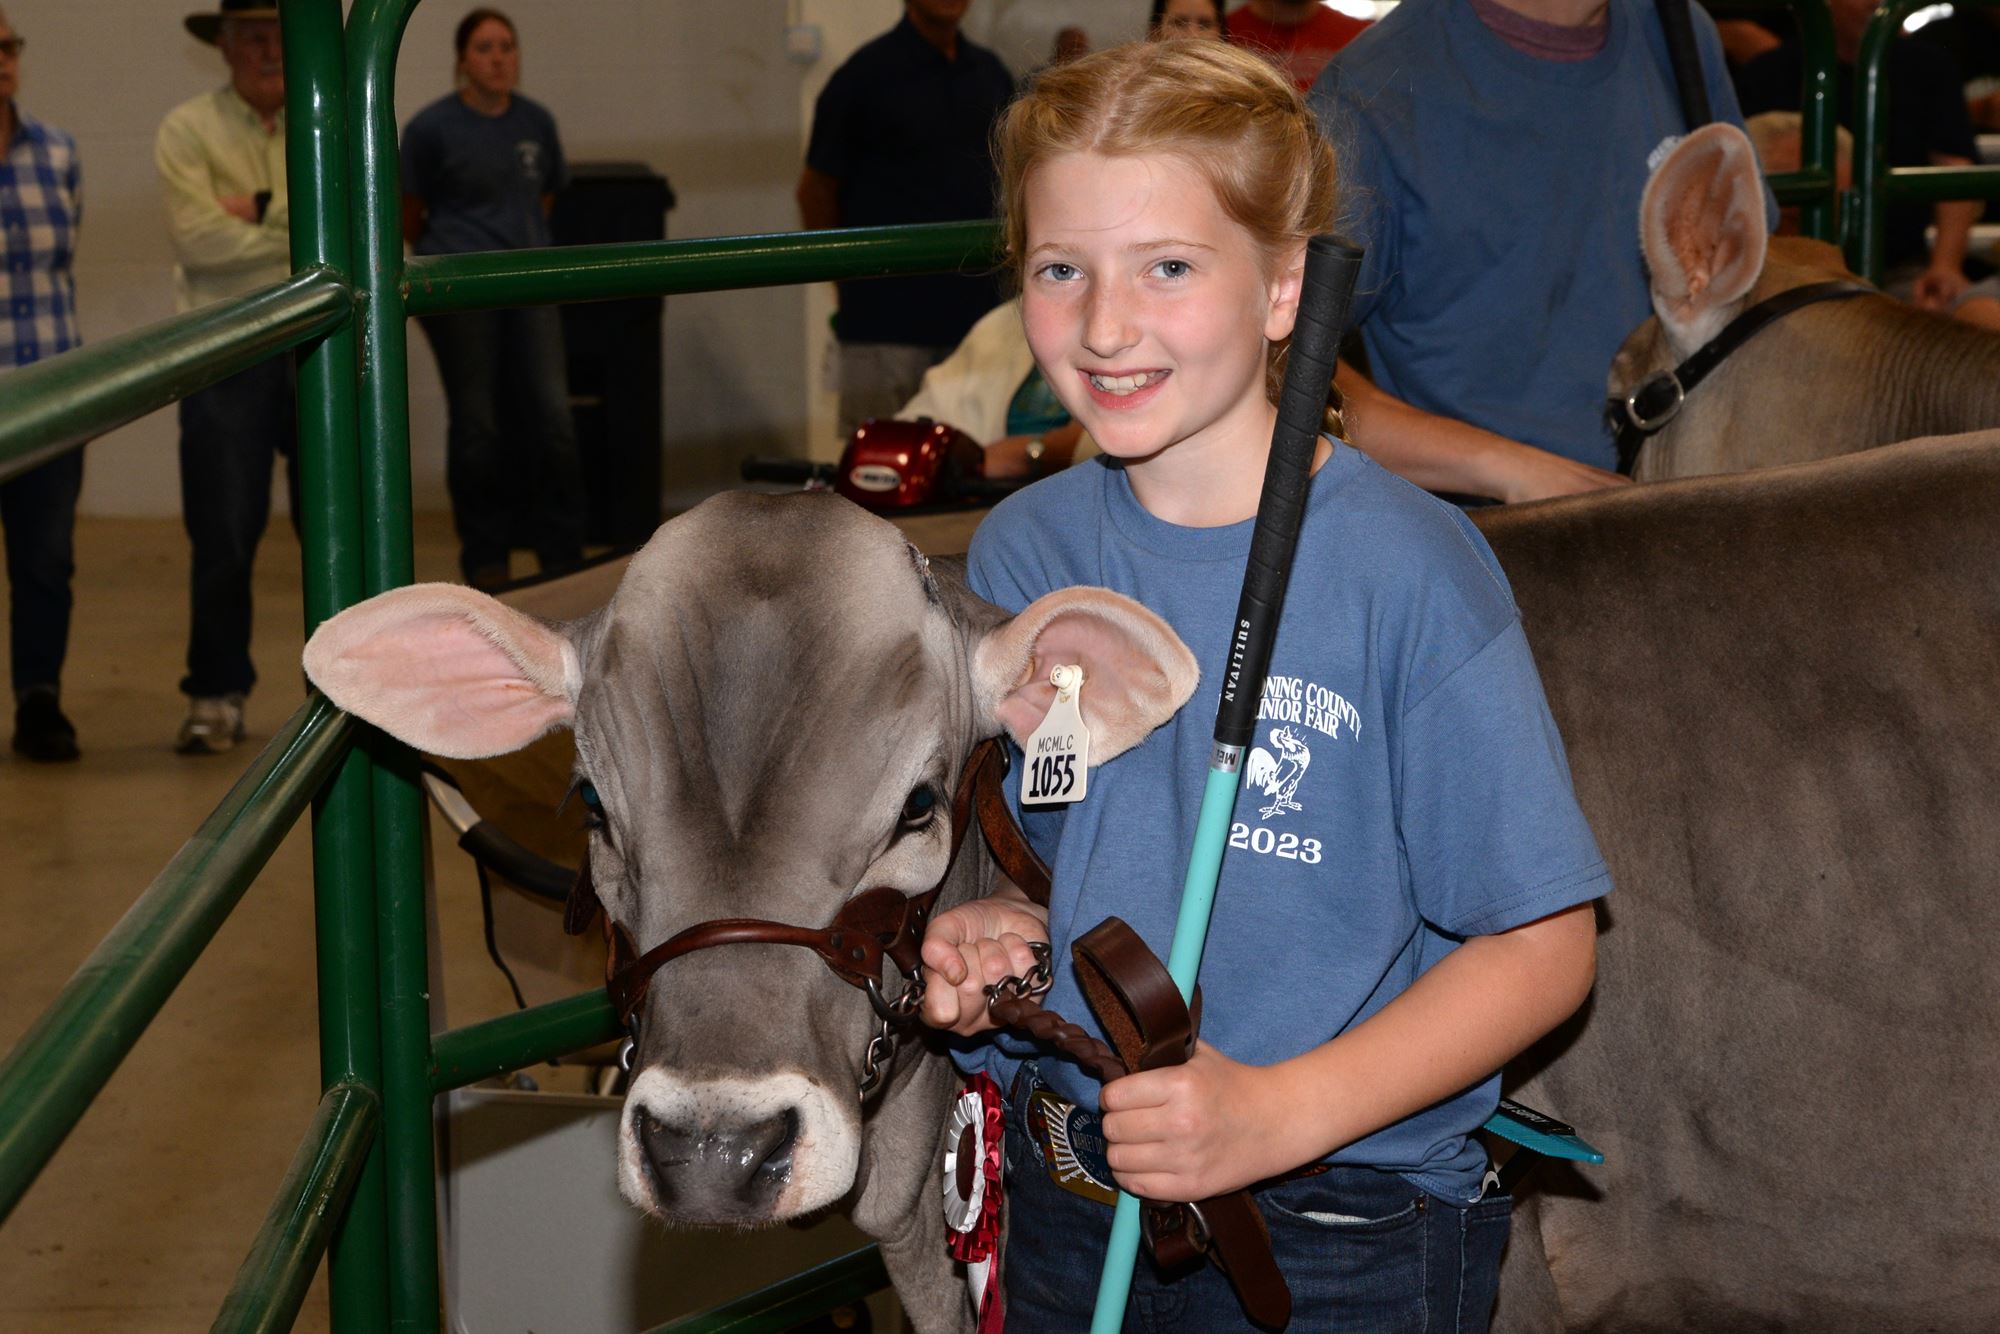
(1928, 126)
(990, 388)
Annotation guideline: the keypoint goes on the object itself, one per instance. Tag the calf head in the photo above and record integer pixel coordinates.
(771, 716)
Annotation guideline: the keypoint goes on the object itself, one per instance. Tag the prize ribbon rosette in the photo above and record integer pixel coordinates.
(972, 1190)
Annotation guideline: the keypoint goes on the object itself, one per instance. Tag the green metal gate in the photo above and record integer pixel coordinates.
(360, 1188)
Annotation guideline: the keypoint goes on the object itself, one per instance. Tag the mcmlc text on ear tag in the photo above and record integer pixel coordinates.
(1058, 754)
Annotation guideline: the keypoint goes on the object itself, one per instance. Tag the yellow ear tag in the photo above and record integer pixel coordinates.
(1058, 752)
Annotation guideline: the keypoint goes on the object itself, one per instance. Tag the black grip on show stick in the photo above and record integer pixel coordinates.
(1332, 265)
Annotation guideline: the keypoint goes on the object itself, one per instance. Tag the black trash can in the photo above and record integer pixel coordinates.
(614, 352)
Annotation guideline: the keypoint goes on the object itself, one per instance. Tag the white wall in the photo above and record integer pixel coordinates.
(700, 90)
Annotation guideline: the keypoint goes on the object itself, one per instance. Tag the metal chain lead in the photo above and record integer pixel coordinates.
(894, 1014)
(880, 1048)
(1028, 986)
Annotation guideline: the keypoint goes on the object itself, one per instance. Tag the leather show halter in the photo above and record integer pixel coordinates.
(874, 924)
(1648, 409)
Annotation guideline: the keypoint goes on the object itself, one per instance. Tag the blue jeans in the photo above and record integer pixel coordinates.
(231, 434)
(1361, 1250)
(491, 361)
(38, 509)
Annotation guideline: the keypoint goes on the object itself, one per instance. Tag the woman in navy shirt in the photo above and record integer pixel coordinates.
(481, 167)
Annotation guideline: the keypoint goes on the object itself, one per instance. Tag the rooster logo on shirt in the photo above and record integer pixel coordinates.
(1277, 776)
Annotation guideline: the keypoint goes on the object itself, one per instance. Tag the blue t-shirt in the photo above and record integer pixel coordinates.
(1406, 786)
(1498, 196)
(481, 177)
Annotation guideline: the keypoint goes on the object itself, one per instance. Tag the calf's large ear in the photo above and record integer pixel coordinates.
(447, 669)
(1136, 671)
(1702, 227)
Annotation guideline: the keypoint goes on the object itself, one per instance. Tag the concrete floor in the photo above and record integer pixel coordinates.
(142, 1218)
(144, 1215)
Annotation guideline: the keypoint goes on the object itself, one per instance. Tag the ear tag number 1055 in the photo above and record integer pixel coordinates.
(1058, 754)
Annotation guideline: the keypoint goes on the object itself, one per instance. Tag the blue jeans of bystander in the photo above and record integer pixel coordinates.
(231, 432)
(38, 509)
(489, 359)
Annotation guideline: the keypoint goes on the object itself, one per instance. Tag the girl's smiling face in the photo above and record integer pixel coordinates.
(1148, 308)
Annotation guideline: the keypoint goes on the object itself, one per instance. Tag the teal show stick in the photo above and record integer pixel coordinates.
(1328, 288)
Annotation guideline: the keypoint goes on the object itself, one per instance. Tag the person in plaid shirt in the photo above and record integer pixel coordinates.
(41, 203)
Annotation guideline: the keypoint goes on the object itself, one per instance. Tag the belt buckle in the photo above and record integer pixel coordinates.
(1072, 1146)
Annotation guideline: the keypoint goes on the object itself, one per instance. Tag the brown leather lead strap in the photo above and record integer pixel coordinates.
(1133, 996)
(1136, 1000)
(1019, 862)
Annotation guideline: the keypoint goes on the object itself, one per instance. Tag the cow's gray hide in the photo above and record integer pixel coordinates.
(771, 682)
(1781, 698)
(1826, 380)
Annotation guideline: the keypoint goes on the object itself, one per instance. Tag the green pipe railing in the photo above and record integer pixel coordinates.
(1876, 184)
(48, 1080)
(57, 404)
(350, 1038)
(434, 283)
(790, 1301)
(374, 34)
(515, 1041)
(1814, 187)
(271, 1284)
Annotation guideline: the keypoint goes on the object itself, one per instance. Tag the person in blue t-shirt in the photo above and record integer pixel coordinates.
(1493, 154)
(481, 168)
(1407, 900)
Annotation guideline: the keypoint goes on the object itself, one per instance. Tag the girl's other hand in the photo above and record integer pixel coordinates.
(1191, 1131)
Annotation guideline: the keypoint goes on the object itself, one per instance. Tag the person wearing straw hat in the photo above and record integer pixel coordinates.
(221, 159)
(41, 203)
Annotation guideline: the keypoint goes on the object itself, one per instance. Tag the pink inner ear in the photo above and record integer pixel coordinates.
(445, 670)
(1703, 222)
(1136, 670)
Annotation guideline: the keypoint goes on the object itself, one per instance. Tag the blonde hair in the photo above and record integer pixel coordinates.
(1228, 114)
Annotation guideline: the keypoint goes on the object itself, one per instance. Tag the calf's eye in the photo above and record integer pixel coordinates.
(920, 807)
(593, 808)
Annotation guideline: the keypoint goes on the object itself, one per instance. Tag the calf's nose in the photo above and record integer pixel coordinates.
(730, 1173)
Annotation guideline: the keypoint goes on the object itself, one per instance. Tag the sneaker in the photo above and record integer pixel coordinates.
(214, 724)
(41, 733)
